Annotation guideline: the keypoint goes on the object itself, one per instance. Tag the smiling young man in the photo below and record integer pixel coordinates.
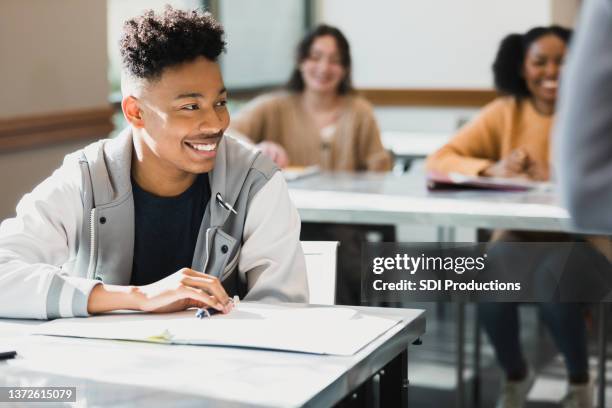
(170, 214)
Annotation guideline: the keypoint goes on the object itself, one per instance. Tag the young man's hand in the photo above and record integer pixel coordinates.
(179, 291)
(275, 152)
(513, 166)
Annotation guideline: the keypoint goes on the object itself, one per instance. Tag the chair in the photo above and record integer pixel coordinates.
(321, 262)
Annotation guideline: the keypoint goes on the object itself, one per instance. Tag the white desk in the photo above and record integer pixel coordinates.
(385, 198)
(375, 198)
(412, 145)
(116, 374)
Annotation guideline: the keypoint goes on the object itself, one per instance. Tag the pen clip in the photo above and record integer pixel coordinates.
(224, 204)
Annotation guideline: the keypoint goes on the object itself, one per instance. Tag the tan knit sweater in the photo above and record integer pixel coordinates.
(502, 126)
(279, 117)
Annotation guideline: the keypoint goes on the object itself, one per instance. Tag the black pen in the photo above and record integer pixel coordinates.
(203, 312)
(6, 355)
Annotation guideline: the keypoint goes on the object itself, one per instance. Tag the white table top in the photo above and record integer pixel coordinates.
(116, 373)
(385, 198)
(414, 144)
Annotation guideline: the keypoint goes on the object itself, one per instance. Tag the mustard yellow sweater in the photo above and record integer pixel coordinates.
(502, 126)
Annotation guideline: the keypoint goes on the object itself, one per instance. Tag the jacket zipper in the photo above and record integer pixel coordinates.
(92, 245)
(207, 252)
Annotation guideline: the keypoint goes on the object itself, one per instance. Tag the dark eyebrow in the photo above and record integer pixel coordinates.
(189, 95)
(197, 94)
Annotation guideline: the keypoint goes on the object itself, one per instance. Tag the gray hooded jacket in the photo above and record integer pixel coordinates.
(255, 252)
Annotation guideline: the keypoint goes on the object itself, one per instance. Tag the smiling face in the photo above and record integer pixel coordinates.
(542, 67)
(322, 69)
(181, 117)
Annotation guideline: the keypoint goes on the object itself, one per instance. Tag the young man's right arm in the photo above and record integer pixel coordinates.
(39, 246)
(37, 243)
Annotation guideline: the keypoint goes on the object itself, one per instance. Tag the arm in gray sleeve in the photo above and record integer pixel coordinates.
(583, 134)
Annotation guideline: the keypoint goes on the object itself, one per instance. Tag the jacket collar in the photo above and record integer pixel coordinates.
(232, 165)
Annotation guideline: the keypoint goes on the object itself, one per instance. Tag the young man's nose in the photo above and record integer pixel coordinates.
(211, 122)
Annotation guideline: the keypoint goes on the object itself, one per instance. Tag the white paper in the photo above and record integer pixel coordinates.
(318, 330)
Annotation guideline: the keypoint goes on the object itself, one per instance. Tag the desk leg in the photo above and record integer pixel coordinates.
(460, 395)
(601, 390)
(477, 351)
(394, 382)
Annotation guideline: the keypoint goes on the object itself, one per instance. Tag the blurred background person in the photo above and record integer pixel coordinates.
(318, 119)
(584, 128)
(510, 138)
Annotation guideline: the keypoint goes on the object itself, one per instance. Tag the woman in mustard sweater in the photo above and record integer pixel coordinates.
(511, 138)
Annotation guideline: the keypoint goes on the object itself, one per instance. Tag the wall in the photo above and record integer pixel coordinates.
(53, 61)
(432, 44)
(428, 44)
(53, 56)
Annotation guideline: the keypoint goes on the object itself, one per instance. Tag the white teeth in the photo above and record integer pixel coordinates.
(204, 147)
(549, 84)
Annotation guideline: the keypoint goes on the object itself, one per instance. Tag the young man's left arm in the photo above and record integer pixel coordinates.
(271, 255)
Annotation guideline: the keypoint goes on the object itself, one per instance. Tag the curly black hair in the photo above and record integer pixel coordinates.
(508, 64)
(153, 42)
(296, 82)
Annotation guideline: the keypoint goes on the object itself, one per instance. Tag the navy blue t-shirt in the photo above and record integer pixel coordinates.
(166, 230)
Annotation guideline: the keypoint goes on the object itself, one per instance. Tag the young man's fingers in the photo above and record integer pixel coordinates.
(200, 296)
(210, 286)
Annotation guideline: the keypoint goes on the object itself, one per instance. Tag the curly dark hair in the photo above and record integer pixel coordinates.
(508, 64)
(153, 42)
(296, 82)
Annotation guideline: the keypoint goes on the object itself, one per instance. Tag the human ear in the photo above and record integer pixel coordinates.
(132, 112)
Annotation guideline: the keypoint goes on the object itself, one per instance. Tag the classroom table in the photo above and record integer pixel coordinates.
(123, 373)
(390, 198)
(408, 146)
(387, 198)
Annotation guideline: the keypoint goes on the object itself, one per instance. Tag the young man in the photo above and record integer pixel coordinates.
(169, 215)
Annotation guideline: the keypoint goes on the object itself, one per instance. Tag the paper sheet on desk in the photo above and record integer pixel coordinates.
(334, 331)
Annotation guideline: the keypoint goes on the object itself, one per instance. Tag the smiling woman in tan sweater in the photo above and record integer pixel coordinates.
(318, 119)
(351, 142)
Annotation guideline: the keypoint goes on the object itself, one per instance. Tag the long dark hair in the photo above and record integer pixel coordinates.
(296, 82)
(508, 64)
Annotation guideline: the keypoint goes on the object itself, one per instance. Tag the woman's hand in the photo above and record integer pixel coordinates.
(275, 152)
(516, 165)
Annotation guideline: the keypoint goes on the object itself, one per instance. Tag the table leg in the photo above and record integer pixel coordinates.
(601, 390)
(460, 395)
(477, 352)
(394, 382)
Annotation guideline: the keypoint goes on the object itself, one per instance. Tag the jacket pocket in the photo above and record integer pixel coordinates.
(230, 267)
(223, 248)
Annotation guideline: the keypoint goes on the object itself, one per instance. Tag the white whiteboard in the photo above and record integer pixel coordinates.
(429, 43)
(262, 36)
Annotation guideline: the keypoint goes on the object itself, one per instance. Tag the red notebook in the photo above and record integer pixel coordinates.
(451, 181)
